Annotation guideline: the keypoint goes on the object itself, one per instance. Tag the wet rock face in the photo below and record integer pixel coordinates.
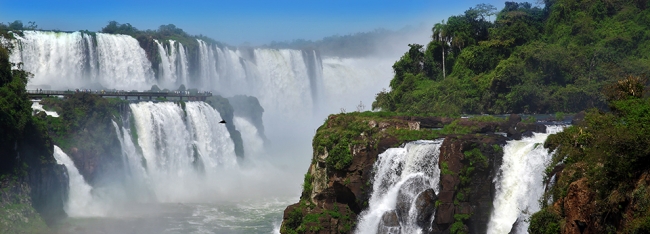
(578, 207)
(477, 195)
(351, 187)
(389, 223)
(425, 204)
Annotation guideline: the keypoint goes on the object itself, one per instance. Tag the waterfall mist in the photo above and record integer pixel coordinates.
(174, 156)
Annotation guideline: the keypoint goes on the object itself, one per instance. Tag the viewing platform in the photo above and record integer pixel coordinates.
(137, 95)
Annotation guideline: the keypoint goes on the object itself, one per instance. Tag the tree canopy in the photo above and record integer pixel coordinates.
(529, 60)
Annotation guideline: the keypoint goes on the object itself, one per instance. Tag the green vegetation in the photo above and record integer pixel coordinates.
(610, 151)
(529, 60)
(458, 227)
(545, 222)
(307, 186)
(297, 222)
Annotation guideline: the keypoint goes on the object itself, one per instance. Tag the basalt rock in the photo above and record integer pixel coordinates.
(474, 197)
(349, 188)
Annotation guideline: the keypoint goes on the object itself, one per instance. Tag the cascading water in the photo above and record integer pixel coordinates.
(288, 83)
(36, 106)
(207, 65)
(73, 60)
(182, 150)
(519, 184)
(167, 67)
(80, 199)
(253, 142)
(400, 176)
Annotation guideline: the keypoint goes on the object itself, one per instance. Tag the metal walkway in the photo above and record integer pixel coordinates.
(144, 95)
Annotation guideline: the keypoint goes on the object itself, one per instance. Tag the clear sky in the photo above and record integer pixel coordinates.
(239, 21)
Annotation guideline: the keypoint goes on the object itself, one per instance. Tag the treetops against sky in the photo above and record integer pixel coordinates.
(240, 22)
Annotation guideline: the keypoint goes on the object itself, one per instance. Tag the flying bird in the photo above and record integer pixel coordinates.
(222, 121)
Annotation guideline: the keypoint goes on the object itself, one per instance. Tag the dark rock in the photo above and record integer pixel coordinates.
(425, 204)
(389, 219)
(578, 118)
(445, 214)
(514, 119)
(527, 134)
(406, 196)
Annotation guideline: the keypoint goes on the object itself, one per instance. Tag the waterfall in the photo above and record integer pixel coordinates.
(182, 149)
(519, 184)
(253, 142)
(207, 66)
(400, 176)
(37, 107)
(183, 71)
(288, 83)
(123, 64)
(281, 70)
(74, 60)
(167, 67)
(54, 56)
(80, 199)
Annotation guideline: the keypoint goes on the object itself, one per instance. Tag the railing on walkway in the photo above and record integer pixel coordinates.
(146, 95)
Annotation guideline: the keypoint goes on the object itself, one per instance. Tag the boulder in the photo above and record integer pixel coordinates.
(425, 204)
(389, 223)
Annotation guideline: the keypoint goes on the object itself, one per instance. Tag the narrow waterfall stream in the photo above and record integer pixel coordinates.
(401, 176)
(519, 184)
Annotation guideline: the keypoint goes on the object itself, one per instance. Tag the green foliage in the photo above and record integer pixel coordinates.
(530, 60)
(610, 151)
(307, 186)
(444, 169)
(293, 221)
(458, 226)
(15, 110)
(545, 221)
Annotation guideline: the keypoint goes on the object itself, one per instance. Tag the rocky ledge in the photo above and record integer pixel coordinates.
(338, 182)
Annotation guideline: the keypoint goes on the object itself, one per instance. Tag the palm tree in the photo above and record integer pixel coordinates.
(441, 35)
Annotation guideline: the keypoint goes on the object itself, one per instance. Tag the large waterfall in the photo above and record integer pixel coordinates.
(182, 150)
(77, 60)
(287, 82)
(401, 175)
(519, 184)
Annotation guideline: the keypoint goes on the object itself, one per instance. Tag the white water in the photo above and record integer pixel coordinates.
(36, 106)
(182, 153)
(395, 170)
(351, 81)
(288, 83)
(519, 184)
(80, 199)
(73, 60)
(167, 66)
(253, 143)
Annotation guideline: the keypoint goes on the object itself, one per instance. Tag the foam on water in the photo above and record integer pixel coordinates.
(395, 171)
(519, 183)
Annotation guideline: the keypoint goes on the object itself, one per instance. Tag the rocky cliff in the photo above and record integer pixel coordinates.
(338, 182)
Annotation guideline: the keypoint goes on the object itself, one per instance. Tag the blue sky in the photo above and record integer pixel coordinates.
(239, 21)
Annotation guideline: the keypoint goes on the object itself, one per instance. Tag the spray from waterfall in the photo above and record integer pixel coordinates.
(81, 202)
(519, 183)
(400, 176)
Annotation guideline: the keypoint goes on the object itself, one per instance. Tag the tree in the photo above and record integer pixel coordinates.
(441, 35)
